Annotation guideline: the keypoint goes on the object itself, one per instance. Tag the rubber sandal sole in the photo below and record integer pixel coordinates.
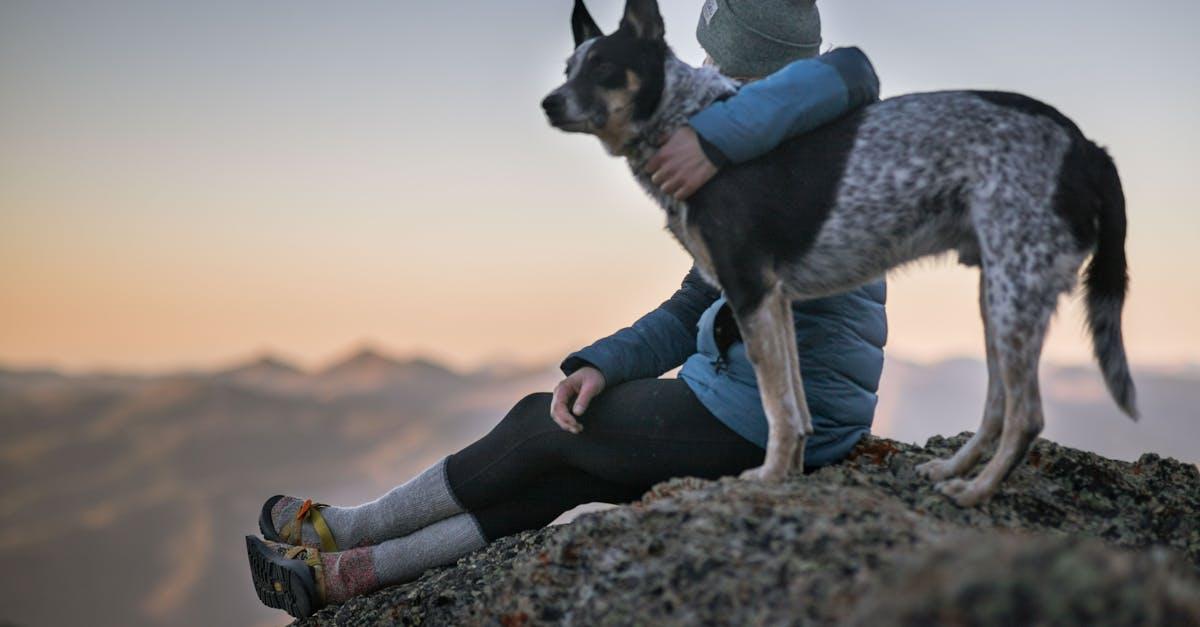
(281, 583)
(266, 526)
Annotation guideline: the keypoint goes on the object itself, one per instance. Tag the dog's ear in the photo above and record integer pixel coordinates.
(643, 19)
(582, 24)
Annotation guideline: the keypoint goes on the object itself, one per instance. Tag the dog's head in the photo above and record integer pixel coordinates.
(614, 82)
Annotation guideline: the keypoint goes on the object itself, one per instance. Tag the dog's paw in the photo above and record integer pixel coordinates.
(963, 493)
(936, 470)
(762, 473)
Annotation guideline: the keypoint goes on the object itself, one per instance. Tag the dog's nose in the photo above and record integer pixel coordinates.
(554, 105)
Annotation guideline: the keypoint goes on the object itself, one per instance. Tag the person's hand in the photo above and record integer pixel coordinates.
(680, 167)
(579, 388)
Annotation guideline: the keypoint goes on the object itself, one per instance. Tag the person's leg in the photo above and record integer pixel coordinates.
(634, 435)
(421, 501)
(301, 580)
(399, 560)
(427, 498)
(527, 471)
(547, 499)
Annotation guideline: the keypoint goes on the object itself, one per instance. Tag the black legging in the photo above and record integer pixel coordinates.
(528, 470)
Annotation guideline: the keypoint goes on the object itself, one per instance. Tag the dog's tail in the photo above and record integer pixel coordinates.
(1106, 280)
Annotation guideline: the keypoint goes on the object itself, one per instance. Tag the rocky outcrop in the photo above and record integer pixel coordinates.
(1073, 538)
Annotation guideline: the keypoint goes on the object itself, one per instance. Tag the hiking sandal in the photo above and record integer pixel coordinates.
(291, 579)
(292, 531)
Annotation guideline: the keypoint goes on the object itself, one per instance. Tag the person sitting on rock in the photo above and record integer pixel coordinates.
(612, 429)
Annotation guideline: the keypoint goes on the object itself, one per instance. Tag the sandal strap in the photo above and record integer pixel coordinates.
(311, 557)
(292, 532)
(323, 531)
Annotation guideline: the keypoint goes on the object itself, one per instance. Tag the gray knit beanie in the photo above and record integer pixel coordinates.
(753, 38)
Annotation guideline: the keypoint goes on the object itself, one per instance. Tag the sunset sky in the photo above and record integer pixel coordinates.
(187, 184)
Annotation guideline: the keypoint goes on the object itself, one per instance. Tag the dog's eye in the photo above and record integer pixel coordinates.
(604, 70)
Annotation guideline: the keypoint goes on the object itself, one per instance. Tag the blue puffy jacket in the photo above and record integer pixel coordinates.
(840, 338)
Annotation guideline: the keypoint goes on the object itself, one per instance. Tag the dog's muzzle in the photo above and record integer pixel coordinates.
(560, 115)
(555, 106)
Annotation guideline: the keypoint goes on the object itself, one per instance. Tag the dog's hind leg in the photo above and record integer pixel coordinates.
(969, 455)
(1019, 311)
(770, 338)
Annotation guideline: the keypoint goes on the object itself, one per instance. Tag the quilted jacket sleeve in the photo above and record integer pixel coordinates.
(799, 97)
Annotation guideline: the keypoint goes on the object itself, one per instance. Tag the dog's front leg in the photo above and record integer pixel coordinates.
(799, 403)
(769, 336)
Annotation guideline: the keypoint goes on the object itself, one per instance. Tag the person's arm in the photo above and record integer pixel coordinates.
(657, 342)
(801, 96)
(654, 344)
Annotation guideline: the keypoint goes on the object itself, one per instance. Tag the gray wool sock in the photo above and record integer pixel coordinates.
(400, 560)
(443, 542)
(422, 501)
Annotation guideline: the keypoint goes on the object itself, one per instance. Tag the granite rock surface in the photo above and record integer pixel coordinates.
(1072, 539)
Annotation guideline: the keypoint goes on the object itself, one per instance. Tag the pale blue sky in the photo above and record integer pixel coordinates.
(183, 182)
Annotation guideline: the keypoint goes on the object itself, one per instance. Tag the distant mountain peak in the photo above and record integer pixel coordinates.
(265, 363)
(369, 360)
(365, 357)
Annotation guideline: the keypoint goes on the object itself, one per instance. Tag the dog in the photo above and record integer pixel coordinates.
(1005, 181)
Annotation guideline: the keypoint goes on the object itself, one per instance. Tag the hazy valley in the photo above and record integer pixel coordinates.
(136, 490)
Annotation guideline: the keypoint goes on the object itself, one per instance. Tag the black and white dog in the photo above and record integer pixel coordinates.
(1007, 182)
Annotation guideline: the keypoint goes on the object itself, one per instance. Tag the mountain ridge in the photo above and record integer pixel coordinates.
(367, 353)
